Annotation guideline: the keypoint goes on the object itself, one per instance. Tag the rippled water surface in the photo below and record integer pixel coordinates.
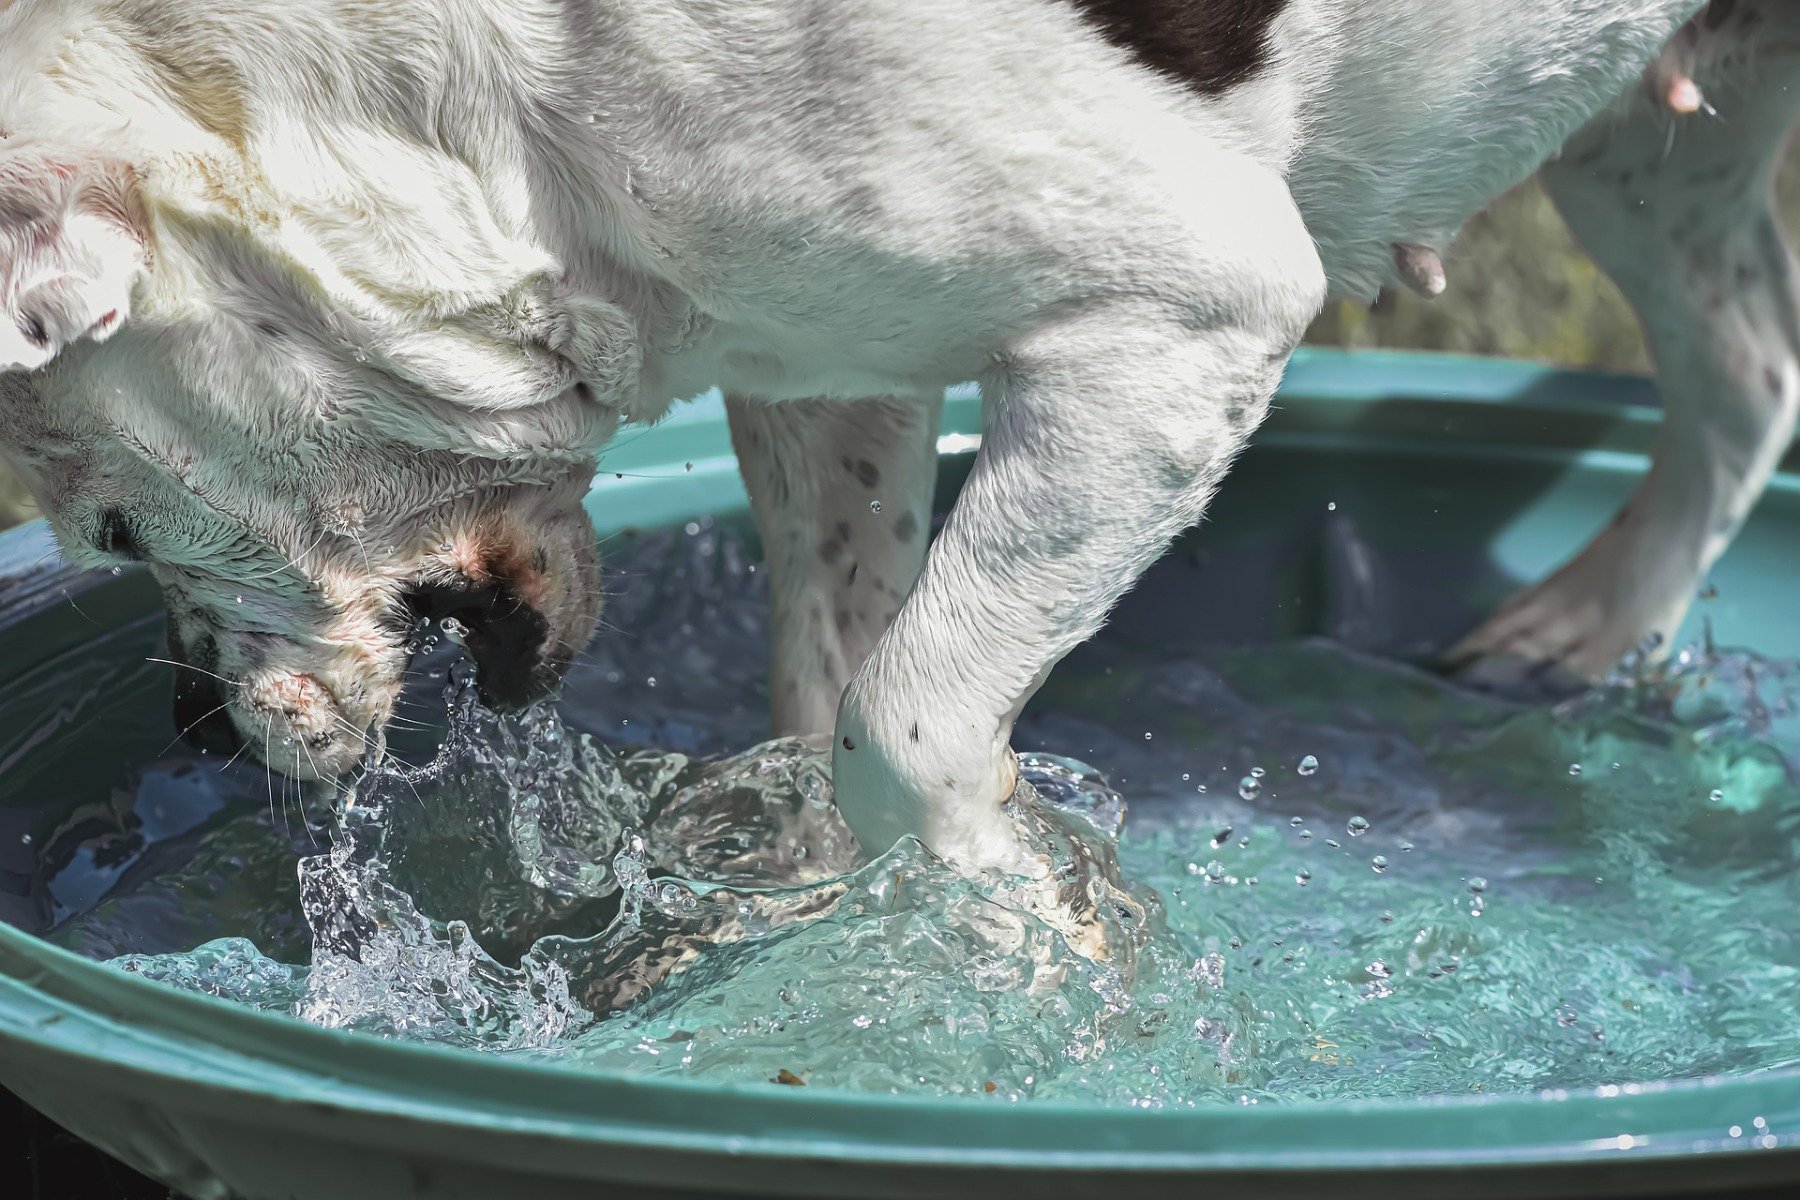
(1334, 877)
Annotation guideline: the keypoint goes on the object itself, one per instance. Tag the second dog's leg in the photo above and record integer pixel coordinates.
(1677, 210)
(841, 490)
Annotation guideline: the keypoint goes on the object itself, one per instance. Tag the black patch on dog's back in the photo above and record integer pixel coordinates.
(1210, 45)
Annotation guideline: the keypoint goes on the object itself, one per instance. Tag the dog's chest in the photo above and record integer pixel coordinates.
(1416, 114)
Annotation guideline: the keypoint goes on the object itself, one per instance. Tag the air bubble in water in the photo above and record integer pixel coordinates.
(1308, 765)
(1221, 837)
(1303, 877)
(1575, 769)
(1717, 797)
(1406, 847)
(1215, 871)
(1296, 822)
(1249, 787)
(1147, 735)
(1477, 885)
(1357, 826)
(1257, 772)
(1379, 863)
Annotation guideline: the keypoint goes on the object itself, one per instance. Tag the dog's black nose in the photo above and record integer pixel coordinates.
(201, 716)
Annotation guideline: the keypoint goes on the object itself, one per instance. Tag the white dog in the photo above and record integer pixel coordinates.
(322, 310)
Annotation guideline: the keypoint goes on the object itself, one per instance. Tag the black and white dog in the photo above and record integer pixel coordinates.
(322, 309)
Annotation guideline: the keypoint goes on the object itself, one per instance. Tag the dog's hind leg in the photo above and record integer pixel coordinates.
(842, 492)
(1678, 210)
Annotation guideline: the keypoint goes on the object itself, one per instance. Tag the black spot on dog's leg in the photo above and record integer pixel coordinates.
(1211, 46)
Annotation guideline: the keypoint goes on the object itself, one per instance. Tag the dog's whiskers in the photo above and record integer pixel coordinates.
(198, 670)
(292, 562)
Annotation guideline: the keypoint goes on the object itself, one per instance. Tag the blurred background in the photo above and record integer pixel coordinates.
(1519, 287)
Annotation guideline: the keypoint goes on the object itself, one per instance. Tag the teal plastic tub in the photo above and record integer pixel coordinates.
(1466, 477)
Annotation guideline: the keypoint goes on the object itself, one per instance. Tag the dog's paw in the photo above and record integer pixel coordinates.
(1548, 642)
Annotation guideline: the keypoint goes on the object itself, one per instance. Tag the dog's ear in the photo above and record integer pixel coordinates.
(74, 240)
(524, 350)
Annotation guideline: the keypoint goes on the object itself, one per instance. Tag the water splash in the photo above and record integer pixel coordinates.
(1488, 922)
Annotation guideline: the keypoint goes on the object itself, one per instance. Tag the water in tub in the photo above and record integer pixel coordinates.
(1336, 877)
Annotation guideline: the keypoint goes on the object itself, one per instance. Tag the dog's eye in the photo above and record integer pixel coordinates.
(115, 536)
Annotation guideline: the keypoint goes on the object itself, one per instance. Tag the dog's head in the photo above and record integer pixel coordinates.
(321, 382)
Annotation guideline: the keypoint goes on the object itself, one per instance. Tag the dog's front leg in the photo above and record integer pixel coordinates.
(841, 490)
(1107, 430)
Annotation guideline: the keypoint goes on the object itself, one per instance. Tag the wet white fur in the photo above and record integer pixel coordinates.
(454, 212)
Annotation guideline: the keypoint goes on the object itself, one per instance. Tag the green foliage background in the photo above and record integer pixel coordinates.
(1519, 287)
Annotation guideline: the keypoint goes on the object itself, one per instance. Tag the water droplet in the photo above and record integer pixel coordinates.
(1379, 863)
(687, 466)
(1185, 776)
(1303, 877)
(1477, 885)
(287, 741)
(1147, 735)
(1574, 769)
(1379, 969)
(1387, 918)
(1357, 826)
(118, 570)
(1306, 835)
(1296, 822)
(1406, 847)
(1567, 1016)
(1333, 843)
(1249, 787)
(1736, 1131)
(1718, 796)
(1257, 772)
(1200, 789)
(874, 506)
(692, 528)
(1221, 837)
(1308, 765)
(650, 681)
(238, 599)
(1215, 871)
(1709, 592)
(25, 839)
(1331, 506)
